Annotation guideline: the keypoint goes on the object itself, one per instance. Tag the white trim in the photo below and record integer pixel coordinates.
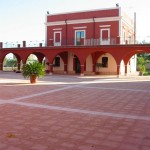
(120, 24)
(83, 21)
(84, 27)
(57, 29)
(46, 40)
(128, 24)
(124, 36)
(104, 26)
(57, 44)
(106, 19)
(79, 31)
(108, 41)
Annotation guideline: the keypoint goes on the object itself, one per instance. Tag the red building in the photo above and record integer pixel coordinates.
(90, 28)
(94, 27)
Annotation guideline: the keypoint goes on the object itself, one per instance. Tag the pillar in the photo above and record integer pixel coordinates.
(24, 43)
(118, 70)
(40, 44)
(94, 68)
(1, 66)
(126, 67)
(82, 70)
(65, 68)
(18, 45)
(19, 66)
(51, 69)
(85, 66)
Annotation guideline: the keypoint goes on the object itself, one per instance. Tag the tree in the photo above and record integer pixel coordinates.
(146, 56)
(141, 65)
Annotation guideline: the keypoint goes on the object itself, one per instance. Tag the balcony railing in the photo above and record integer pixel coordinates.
(68, 42)
(89, 42)
(83, 42)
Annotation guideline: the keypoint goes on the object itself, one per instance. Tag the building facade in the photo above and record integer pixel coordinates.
(90, 28)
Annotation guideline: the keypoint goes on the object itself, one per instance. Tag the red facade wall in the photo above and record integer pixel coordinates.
(92, 27)
(84, 15)
(114, 30)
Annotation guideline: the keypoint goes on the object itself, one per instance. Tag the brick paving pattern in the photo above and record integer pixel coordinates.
(74, 113)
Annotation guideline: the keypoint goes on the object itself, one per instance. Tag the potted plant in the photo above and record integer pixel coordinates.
(33, 71)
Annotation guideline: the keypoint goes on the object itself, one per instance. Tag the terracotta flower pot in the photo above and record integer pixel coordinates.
(33, 79)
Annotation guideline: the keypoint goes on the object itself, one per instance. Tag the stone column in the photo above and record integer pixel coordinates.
(82, 70)
(126, 67)
(1, 66)
(50, 69)
(118, 70)
(65, 68)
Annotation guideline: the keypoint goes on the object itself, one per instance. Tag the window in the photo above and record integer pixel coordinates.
(105, 36)
(57, 38)
(104, 61)
(79, 37)
(57, 61)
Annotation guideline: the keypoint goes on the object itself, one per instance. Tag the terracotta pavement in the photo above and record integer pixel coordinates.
(63, 112)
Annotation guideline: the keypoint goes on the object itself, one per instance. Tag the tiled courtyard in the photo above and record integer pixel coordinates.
(63, 112)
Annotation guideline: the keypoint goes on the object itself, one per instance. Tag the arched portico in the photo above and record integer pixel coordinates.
(118, 52)
(18, 58)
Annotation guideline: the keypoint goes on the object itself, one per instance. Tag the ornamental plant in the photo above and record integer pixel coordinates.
(37, 69)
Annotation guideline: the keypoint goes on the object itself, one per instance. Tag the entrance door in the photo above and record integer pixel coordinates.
(79, 37)
(105, 37)
(57, 38)
(77, 65)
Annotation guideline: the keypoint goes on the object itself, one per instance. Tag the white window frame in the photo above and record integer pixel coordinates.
(76, 34)
(56, 43)
(101, 31)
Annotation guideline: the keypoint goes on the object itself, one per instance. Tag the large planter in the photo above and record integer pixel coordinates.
(33, 79)
(33, 71)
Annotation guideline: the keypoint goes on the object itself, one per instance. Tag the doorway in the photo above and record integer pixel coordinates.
(105, 36)
(57, 38)
(77, 66)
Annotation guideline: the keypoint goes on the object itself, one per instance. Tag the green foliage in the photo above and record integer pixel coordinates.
(10, 62)
(146, 56)
(146, 73)
(34, 68)
(141, 64)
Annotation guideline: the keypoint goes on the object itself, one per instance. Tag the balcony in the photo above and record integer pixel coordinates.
(89, 42)
(69, 42)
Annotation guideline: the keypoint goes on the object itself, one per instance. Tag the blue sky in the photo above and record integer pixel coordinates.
(24, 19)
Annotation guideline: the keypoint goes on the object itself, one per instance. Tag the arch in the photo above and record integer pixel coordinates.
(18, 59)
(40, 56)
(106, 64)
(130, 61)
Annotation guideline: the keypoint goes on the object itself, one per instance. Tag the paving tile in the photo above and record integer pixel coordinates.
(73, 115)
